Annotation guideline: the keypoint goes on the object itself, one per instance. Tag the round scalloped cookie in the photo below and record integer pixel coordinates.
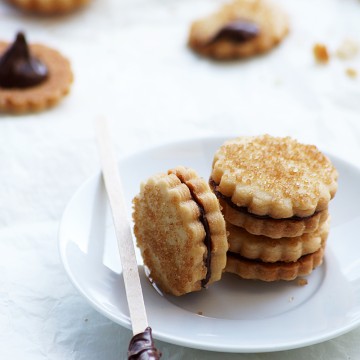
(44, 95)
(49, 7)
(273, 228)
(271, 250)
(259, 270)
(171, 231)
(274, 176)
(256, 26)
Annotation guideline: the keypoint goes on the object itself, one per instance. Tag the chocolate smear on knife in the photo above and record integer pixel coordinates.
(142, 347)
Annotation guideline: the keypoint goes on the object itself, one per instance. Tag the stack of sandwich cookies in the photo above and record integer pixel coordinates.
(180, 231)
(275, 194)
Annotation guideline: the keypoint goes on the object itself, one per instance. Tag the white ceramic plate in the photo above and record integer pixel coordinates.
(233, 315)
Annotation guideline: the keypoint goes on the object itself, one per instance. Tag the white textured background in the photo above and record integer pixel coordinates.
(131, 64)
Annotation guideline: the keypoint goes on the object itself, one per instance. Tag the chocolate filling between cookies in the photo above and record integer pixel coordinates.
(244, 209)
(207, 240)
(276, 263)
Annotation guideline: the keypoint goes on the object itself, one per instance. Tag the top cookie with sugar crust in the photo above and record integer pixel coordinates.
(274, 176)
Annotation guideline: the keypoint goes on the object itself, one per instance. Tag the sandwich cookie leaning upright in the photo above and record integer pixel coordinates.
(180, 231)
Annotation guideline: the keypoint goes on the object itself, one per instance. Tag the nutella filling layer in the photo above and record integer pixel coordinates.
(244, 209)
(207, 240)
(276, 263)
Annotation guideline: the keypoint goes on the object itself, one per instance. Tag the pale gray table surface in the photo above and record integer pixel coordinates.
(131, 64)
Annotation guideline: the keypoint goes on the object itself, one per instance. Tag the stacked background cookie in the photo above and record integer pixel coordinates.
(239, 29)
(274, 194)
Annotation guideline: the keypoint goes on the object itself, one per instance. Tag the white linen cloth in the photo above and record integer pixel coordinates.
(131, 65)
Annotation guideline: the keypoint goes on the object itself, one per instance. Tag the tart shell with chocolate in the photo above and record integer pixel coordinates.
(180, 231)
(16, 95)
(239, 29)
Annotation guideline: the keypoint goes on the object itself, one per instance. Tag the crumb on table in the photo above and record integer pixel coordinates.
(351, 72)
(302, 282)
(199, 312)
(321, 53)
(347, 49)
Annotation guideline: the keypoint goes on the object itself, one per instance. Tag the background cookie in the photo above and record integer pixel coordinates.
(49, 7)
(43, 95)
(240, 29)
